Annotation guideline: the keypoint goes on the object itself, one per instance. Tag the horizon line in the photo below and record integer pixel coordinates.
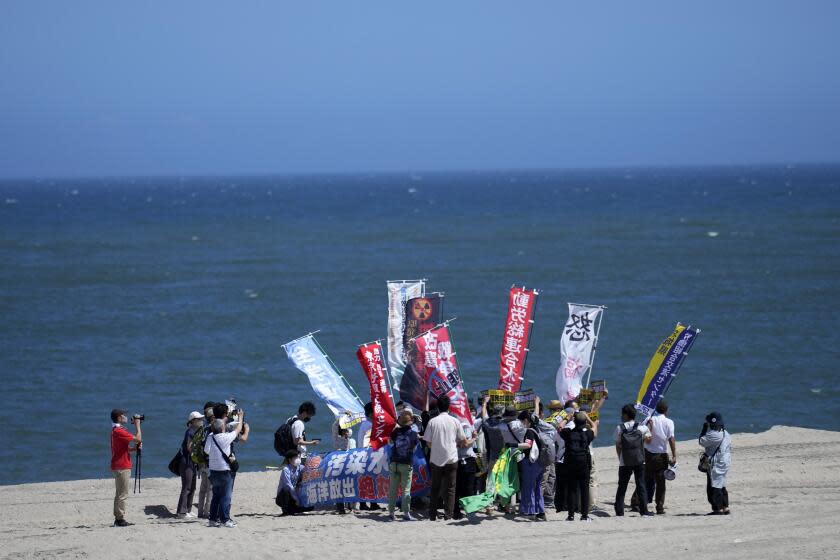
(418, 172)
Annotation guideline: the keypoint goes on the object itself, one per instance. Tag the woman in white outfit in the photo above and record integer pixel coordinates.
(718, 446)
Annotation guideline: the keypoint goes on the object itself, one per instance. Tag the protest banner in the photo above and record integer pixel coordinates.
(326, 380)
(357, 475)
(436, 356)
(422, 314)
(577, 348)
(399, 292)
(497, 397)
(384, 414)
(522, 305)
(663, 368)
(524, 400)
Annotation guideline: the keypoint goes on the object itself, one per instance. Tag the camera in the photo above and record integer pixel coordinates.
(140, 417)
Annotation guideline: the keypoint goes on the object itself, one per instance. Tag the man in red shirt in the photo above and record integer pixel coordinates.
(121, 460)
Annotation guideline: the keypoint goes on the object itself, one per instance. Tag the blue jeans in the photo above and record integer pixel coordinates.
(222, 483)
(531, 488)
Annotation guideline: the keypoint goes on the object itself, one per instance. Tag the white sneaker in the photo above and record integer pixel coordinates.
(189, 515)
(213, 524)
(229, 524)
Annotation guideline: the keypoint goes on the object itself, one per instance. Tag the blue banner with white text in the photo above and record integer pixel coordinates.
(357, 475)
(663, 368)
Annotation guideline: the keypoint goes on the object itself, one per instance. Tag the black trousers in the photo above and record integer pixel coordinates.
(718, 497)
(559, 486)
(443, 490)
(624, 474)
(288, 504)
(577, 487)
(466, 483)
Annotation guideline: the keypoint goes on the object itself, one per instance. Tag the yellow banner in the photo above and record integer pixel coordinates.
(656, 361)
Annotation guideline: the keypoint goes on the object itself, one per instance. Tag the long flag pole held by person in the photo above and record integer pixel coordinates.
(663, 367)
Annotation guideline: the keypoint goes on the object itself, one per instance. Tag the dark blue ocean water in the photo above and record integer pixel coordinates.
(159, 294)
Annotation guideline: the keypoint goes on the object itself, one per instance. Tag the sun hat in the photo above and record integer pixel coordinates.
(555, 405)
(194, 415)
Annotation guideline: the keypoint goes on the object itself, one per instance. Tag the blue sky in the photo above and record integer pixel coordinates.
(120, 88)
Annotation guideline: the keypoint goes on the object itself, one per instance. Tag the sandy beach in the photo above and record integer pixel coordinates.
(784, 491)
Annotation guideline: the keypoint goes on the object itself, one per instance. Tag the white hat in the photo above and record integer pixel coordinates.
(193, 415)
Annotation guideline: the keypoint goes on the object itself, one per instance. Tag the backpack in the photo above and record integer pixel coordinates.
(577, 449)
(548, 447)
(283, 440)
(404, 442)
(632, 448)
(494, 442)
(199, 457)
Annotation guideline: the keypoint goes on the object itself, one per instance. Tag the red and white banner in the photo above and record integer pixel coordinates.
(384, 415)
(434, 349)
(520, 319)
(577, 349)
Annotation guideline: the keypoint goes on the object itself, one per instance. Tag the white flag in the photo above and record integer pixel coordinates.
(399, 293)
(576, 346)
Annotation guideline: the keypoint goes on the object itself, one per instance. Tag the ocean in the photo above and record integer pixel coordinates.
(158, 294)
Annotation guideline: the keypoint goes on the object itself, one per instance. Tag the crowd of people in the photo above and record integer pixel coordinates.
(552, 447)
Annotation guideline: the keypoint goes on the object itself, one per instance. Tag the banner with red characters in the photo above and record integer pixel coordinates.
(384, 414)
(436, 355)
(520, 320)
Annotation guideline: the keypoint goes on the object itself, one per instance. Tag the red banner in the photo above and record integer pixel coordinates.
(520, 319)
(434, 351)
(384, 415)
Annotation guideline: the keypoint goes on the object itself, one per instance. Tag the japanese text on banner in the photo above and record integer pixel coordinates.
(518, 327)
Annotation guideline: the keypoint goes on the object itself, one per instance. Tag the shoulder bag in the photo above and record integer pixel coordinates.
(231, 461)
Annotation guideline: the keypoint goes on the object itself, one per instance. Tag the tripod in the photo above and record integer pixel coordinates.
(138, 470)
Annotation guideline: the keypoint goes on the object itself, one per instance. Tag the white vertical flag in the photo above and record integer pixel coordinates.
(577, 348)
(399, 292)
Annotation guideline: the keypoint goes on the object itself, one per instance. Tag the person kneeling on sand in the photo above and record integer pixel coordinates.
(288, 498)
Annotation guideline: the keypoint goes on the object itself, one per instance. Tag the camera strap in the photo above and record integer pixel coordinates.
(225, 457)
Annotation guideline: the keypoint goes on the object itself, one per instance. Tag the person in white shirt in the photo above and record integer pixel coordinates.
(444, 435)
(306, 411)
(465, 480)
(656, 455)
(629, 438)
(217, 448)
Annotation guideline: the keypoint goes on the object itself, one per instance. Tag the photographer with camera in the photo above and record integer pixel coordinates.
(233, 416)
(121, 440)
(223, 466)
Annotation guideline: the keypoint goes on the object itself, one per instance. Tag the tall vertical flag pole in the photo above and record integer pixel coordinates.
(595, 346)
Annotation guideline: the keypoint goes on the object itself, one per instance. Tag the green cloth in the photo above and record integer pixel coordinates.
(502, 483)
